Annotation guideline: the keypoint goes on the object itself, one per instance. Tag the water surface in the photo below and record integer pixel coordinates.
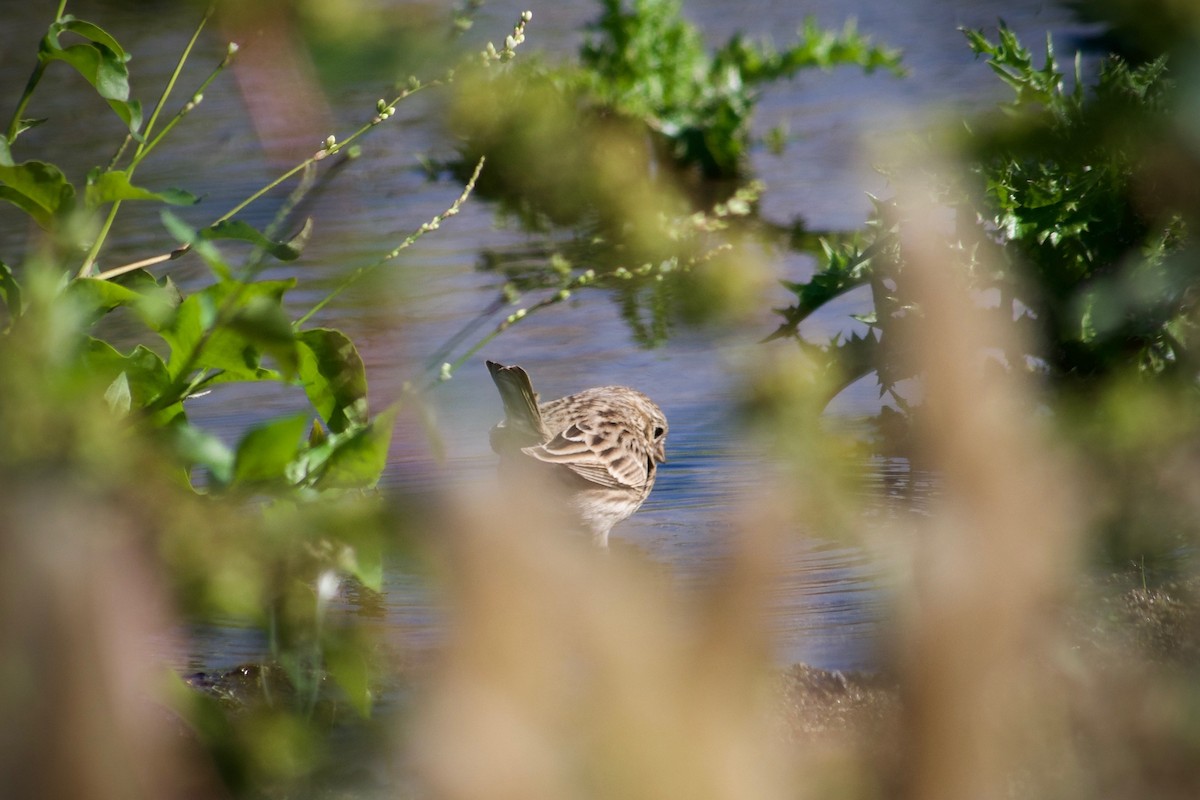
(826, 608)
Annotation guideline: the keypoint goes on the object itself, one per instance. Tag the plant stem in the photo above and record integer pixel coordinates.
(89, 261)
(322, 153)
(85, 268)
(145, 262)
(433, 224)
(35, 78)
(450, 368)
(145, 147)
(15, 124)
(170, 86)
(307, 163)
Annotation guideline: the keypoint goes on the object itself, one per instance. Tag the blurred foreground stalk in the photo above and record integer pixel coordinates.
(85, 620)
(990, 570)
(574, 672)
(83, 628)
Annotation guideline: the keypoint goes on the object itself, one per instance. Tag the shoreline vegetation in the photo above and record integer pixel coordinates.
(1126, 641)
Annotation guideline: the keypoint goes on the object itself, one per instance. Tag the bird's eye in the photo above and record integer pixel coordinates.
(658, 431)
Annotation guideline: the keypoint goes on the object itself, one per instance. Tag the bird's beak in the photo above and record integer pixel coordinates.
(660, 452)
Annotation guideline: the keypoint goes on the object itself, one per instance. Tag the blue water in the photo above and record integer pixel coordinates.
(826, 607)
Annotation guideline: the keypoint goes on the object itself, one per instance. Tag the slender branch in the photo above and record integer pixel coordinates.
(425, 228)
(39, 69)
(90, 259)
(112, 162)
(14, 125)
(331, 146)
(145, 262)
(187, 108)
(384, 110)
(144, 148)
(170, 85)
(254, 263)
(450, 345)
(447, 369)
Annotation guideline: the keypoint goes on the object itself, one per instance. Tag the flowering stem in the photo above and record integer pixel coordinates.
(425, 228)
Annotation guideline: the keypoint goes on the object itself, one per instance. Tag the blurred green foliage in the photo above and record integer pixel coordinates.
(640, 151)
(1049, 220)
(646, 61)
(647, 79)
(1073, 235)
(266, 531)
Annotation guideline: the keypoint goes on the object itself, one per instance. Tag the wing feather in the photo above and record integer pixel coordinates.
(580, 449)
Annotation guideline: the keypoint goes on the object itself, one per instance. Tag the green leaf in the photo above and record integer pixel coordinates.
(264, 452)
(39, 189)
(263, 323)
(152, 302)
(347, 665)
(252, 323)
(97, 64)
(334, 378)
(101, 61)
(183, 333)
(142, 372)
(93, 33)
(117, 395)
(364, 561)
(198, 448)
(186, 235)
(107, 187)
(236, 229)
(10, 290)
(356, 459)
(26, 124)
(179, 229)
(130, 113)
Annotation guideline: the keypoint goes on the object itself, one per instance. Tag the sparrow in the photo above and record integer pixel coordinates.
(599, 448)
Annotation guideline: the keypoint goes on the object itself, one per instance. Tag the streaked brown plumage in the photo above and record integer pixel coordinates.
(602, 446)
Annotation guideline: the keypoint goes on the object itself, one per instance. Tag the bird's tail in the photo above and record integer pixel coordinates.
(520, 401)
